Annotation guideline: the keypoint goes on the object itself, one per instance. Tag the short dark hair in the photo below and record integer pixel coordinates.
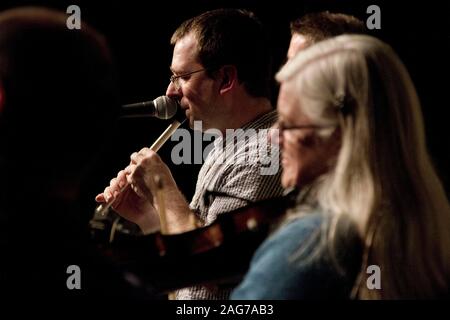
(319, 26)
(235, 37)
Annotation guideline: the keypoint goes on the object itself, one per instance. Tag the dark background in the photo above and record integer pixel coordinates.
(139, 31)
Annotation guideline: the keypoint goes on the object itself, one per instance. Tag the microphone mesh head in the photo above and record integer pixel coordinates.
(165, 107)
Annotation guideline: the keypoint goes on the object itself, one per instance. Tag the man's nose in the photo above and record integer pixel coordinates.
(172, 91)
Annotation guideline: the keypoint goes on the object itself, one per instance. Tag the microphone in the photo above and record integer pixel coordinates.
(162, 107)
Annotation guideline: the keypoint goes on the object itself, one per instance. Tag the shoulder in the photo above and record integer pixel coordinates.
(292, 235)
(293, 264)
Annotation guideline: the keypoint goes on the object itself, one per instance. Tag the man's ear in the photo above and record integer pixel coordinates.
(229, 78)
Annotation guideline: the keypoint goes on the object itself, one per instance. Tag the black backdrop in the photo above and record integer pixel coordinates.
(138, 32)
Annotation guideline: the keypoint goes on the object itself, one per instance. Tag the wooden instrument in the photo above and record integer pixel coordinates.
(216, 254)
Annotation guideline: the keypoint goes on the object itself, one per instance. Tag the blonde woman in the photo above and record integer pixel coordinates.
(371, 204)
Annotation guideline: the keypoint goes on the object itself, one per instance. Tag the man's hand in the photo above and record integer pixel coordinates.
(138, 202)
(129, 203)
(145, 165)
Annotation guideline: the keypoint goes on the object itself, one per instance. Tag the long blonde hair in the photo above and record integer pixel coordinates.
(383, 178)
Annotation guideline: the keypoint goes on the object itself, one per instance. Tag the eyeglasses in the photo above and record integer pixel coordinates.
(176, 79)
